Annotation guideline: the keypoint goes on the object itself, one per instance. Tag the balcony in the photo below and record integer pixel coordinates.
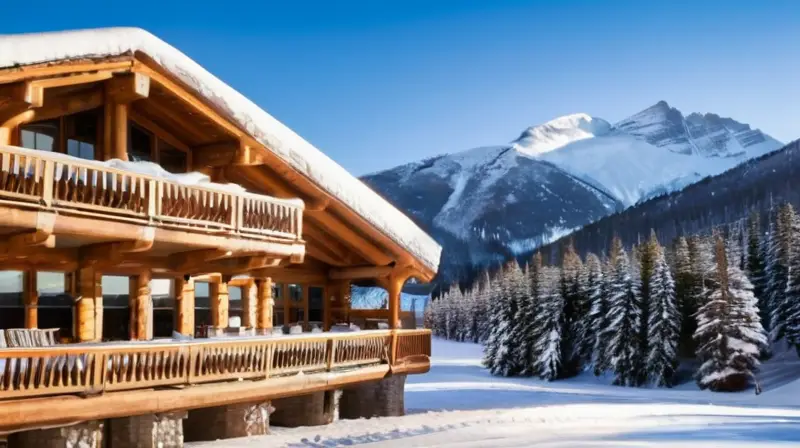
(70, 186)
(184, 372)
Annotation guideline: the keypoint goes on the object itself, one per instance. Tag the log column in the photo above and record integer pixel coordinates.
(184, 306)
(89, 306)
(394, 287)
(264, 304)
(141, 307)
(219, 306)
(120, 92)
(30, 295)
(249, 304)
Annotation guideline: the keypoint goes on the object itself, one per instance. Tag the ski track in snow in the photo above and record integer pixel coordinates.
(459, 404)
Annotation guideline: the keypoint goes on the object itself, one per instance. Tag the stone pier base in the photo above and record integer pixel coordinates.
(225, 422)
(147, 431)
(82, 435)
(305, 410)
(382, 398)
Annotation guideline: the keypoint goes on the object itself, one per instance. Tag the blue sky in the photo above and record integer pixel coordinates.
(378, 83)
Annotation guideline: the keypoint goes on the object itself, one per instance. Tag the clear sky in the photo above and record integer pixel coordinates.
(378, 83)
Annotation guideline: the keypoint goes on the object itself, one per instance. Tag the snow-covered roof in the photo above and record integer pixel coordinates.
(35, 48)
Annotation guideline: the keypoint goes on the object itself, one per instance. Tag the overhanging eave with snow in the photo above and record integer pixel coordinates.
(224, 135)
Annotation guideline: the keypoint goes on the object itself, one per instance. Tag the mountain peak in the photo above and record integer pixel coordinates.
(558, 132)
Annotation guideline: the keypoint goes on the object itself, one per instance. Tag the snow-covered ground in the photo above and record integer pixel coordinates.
(459, 404)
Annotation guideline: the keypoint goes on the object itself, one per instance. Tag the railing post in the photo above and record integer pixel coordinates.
(331, 354)
(153, 197)
(48, 179)
(393, 349)
(238, 213)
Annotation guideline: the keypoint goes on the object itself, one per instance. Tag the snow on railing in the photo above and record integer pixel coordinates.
(72, 185)
(94, 368)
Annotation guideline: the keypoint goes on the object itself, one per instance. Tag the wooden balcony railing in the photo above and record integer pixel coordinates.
(97, 368)
(66, 184)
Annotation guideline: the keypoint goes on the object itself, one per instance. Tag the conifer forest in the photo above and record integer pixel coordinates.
(717, 302)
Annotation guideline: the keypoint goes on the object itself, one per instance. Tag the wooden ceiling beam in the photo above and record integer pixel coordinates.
(73, 79)
(363, 272)
(127, 88)
(284, 275)
(109, 254)
(157, 130)
(223, 154)
(194, 261)
(69, 104)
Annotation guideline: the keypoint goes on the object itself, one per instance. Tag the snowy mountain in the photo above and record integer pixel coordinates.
(487, 203)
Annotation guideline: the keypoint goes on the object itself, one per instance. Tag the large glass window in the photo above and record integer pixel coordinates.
(315, 303)
(140, 144)
(82, 131)
(42, 135)
(171, 159)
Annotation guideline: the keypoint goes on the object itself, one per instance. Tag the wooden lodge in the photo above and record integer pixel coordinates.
(176, 263)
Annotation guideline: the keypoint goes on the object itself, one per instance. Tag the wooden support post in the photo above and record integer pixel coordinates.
(249, 301)
(142, 309)
(184, 304)
(115, 131)
(287, 304)
(219, 305)
(306, 290)
(89, 306)
(264, 304)
(30, 295)
(395, 286)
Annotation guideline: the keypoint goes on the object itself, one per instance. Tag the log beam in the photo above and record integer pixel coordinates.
(249, 302)
(360, 272)
(89, 306)
(16, 102)
(142, 309)
(264, 305)
(21, 244)
(184, 304)
(224, 154)
(127, 88)
(197, 261)
(30, 295)
(220, 302)
(109, 254)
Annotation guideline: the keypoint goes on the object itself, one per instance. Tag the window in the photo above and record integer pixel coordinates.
(171, 159)
(277, 292)
(140, 144)
(81, 130)
(43, 135)
(315, 299)
(296, 294)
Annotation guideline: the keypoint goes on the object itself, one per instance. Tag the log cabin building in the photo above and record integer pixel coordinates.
(162, 242)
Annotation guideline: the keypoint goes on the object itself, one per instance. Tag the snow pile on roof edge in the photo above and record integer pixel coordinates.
(27, 49)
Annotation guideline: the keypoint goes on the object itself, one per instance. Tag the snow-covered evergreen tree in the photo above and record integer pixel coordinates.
(550, 327)
(575, 310)
(729, 333)
(504, 349)
(755, 266)
(647, 254)
(623, 318)
(778, 251)
(664, 324)
(600, 357)
(686, 283)
(594, 320)
(527, 316)
(791, 309)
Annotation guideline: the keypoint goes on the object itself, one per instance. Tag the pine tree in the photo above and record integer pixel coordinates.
(647, 255)
(529, 311)
(778, 270)
(729, 332)
(504, 348)
(685, 286)
(573, 314)
(755, 266)
(497, 325)
(791, 326)
(624, 319)
(550, 327)
(592, 288)
(664, 324)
